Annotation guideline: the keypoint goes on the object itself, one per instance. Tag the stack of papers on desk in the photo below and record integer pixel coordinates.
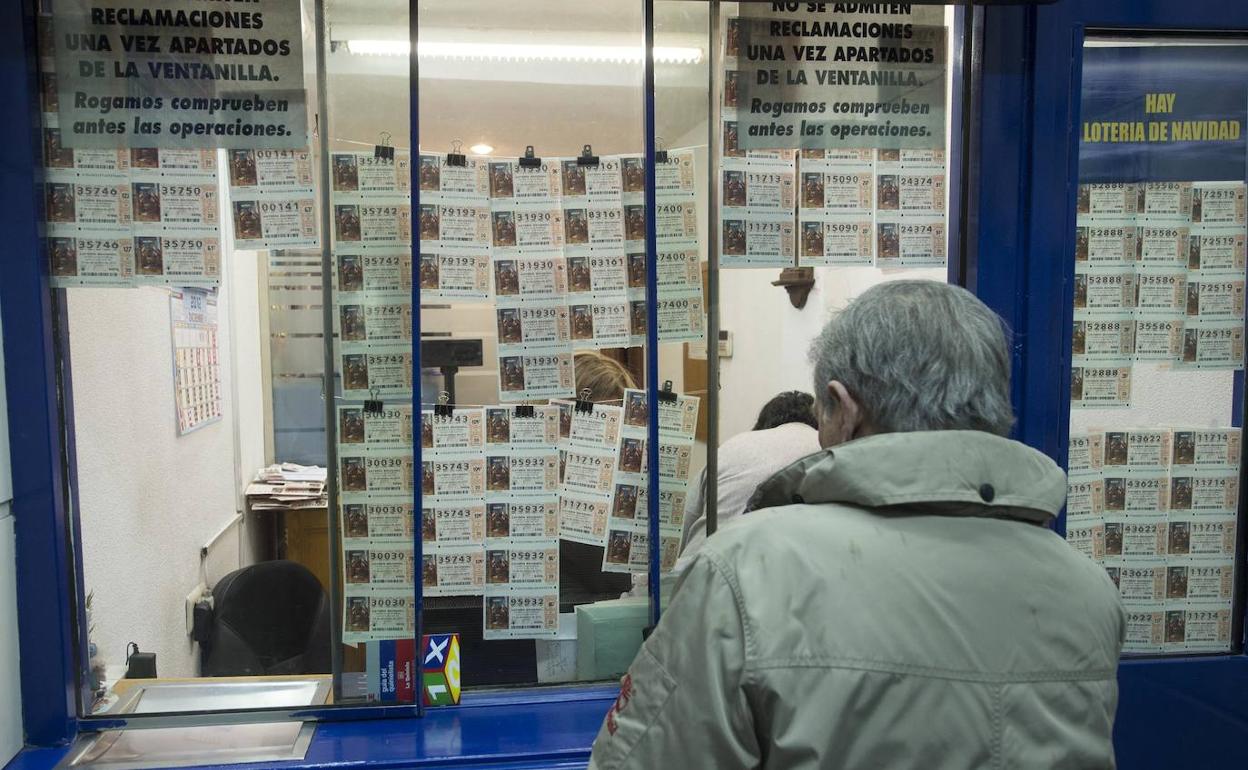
(287, 487)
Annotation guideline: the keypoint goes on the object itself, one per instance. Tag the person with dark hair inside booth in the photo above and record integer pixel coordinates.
(783, 433)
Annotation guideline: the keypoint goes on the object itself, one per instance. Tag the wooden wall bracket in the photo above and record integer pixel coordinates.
(797, 281)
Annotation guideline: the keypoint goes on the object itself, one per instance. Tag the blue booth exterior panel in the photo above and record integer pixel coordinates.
(46, 581)
(1173, 712)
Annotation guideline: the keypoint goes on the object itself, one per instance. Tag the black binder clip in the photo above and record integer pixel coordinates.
(530, 160)
(455, 157)
(660, 155)
(383, 150)
(583, 404)
(524, 410)
(667, 394)
(372, 404)
(587, 157)
(443, 408)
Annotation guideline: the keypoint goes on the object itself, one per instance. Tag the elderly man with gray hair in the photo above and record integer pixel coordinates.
(896, 600)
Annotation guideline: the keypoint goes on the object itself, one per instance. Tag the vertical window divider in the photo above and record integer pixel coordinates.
(418, 551)
(652, 317)
(328, 387)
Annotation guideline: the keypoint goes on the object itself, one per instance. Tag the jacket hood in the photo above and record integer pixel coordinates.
(952, 473)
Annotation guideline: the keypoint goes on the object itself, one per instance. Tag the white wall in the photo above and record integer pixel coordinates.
(244, 346)
(771, 338)
(149, 498)
(10, 686)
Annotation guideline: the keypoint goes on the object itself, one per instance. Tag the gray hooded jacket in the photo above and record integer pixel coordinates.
(898, 605)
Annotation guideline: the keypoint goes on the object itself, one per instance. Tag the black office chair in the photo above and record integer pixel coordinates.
(271, 618)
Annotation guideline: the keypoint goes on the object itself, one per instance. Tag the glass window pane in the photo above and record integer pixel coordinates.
(683, 98)
(799, 224)
(1157, 334)
(368, 194)
(177, 334)
(296, 360)
(533, 270)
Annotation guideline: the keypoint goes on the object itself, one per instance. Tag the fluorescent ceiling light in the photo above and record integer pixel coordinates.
(522, 52)
(481, 149)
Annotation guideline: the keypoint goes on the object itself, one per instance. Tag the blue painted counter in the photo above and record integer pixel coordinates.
(1172, 713)
(1182, 713)
(517, 732)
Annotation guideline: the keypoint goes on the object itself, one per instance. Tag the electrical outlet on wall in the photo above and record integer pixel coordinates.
(197, 594)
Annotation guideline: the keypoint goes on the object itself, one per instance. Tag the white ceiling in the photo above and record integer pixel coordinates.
(556, 106)
(538, 15)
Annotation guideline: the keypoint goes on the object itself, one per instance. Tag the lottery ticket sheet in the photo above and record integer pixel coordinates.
(373, 276)
(453, 494)
(371, 206)
(272, 200)
(858, 206)
(376, 469)
(1169, 256)
(490, 518)
(130, 217)
(378, 614)
(590, 448)
(371, 231)
(628, 533)
(521, 520)
(1157, 508)
(757, 202)
(681, 309)
(1100, 384)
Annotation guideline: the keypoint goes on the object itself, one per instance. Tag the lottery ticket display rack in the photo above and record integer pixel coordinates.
(1160, 252)
(455, 507)
(555, 249)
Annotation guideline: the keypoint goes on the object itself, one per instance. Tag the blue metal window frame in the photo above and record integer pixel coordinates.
(1029, 78)
(1030, 96)
(45, 582)
(652, 314)
(413, 184)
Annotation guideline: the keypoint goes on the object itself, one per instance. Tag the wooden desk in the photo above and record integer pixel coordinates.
(302, 536)
(305, 539)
